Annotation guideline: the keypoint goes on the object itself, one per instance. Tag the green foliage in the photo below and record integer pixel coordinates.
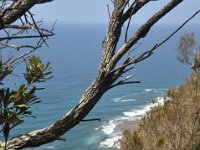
(15, 103)
(4, 71)
(36, 71)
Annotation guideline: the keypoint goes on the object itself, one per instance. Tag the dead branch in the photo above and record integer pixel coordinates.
(142, 31)
(87, 120)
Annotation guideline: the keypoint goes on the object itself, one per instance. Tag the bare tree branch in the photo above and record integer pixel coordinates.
(142, 31)
(12, 62)
(148, 53)
(133, 9)
(16, 47)
(108, 11)
(124, 83)
(87, 120)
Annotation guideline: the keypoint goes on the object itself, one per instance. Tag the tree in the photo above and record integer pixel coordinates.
(110, 70)
(188, 51)
(189, 54)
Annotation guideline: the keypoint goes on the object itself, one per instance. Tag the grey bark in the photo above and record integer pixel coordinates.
(14, 12)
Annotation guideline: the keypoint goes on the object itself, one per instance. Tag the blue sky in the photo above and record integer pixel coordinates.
(95, 11)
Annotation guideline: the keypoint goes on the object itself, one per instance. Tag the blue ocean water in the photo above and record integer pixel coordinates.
(74, 53)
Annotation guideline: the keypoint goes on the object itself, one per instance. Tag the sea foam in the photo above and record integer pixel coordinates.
(141, 112)
(123, 100)
(109, 129)
(111, 142)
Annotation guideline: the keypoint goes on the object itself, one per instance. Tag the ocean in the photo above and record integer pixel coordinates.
(74, 53)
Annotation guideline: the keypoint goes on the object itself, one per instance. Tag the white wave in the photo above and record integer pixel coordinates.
(135, 113)
(109, 128)
(124, 97)
(117, 99)
(160, 101)
(128, 100)
(114, 135)
(128, 95)
(141, 112)
(152, 90)
(109, 131)
(148, 90)
(123, 100)
(111, 142)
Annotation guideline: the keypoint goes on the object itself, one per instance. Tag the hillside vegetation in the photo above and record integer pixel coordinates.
(176, 125)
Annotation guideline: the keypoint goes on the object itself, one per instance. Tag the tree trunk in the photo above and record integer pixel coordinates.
(74, 117)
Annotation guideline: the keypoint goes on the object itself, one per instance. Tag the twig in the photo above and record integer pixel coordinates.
(124, 81)
(108, 11)
(36, 26)
(86, 120)
(129, 21)
(24, 37)
(16, 47)
(23, 55)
